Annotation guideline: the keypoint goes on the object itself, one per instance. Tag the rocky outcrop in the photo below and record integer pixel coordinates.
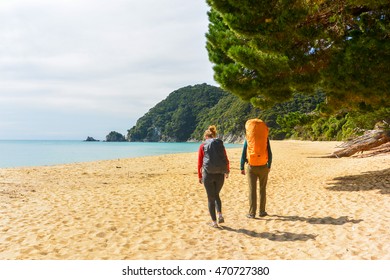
(229, 138)
(114, 136)
(233, 139)
(91, 139)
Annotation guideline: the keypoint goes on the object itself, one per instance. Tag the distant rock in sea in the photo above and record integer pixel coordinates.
(91, 139)
(114, 136)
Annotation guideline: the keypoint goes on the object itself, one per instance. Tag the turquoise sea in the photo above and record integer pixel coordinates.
(23, 153)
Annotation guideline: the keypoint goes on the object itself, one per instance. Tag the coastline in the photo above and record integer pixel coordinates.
(154, 208)
(33, 153)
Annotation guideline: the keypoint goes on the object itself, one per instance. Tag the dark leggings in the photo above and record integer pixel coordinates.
(213, 184)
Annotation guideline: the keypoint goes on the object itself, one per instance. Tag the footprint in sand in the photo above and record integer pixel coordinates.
(101, 234)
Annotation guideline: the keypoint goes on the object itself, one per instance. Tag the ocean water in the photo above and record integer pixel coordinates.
(23, 153)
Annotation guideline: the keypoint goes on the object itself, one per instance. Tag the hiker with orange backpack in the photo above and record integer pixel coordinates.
(213, 168)
(258, 155)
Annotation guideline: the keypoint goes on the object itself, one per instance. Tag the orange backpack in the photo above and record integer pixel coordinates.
(256, 138)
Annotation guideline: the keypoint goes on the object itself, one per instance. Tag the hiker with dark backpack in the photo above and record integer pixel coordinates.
(258, 155)
(213, 168)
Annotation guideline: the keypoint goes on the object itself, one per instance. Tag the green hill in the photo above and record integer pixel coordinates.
(175, 118)
(187, 112)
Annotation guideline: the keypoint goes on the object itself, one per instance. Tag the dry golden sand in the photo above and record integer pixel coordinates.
(154, 208)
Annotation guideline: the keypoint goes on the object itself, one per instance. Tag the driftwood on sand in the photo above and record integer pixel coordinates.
(370, 140)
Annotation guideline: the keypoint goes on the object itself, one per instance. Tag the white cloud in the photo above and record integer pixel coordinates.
(107, 62)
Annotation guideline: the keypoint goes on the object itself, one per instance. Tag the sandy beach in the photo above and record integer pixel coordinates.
(154, 208)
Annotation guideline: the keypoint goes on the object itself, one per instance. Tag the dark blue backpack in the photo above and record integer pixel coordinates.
(214, 160)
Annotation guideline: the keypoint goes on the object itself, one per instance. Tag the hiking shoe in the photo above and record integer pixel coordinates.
(263, 214)
(221, 220)
(250, 216)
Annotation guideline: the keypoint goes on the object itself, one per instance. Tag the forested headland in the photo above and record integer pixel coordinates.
(187, 112)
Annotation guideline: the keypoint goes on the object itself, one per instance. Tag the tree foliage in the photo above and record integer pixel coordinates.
(264, 51)
(229, 115)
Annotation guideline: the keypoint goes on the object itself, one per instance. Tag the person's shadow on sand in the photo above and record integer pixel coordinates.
(318, 221)
(290, 236)
(277, 236)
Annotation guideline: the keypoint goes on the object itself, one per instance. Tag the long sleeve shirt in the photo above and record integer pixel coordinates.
(244, 158)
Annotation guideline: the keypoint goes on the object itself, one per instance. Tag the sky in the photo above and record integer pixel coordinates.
(76, 68)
